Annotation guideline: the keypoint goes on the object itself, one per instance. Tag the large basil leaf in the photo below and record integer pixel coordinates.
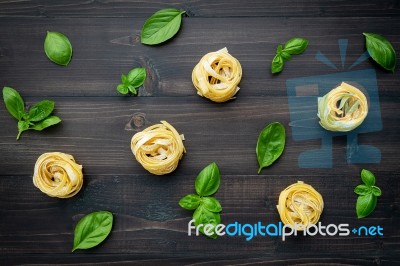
(58, 48)
(208, 180)
(365, 205)
(295, 46)
(270, 144)
(381, 50)
(92, 229)
(161, 26)
(41, 110)
(14, 103)
(207, 218)
(50, 121)
(190, 202)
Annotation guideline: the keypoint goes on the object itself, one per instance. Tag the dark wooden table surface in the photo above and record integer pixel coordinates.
(97, 124)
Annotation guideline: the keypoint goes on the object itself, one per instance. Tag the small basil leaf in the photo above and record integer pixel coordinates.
(286, 56)
(295, 46)
(132, 90)
(50, 121)
(277, 64)
(211, 204)
(365, 205)
(205, 217)
(14, 103)
(136, 77)
(208, 180)
(270, 144)
(161, 26)
(22, 126)
(279, 49)
(190, 202)
(92, 229)
(58, 48)
(122, 89)
(381, 50)
(41, 110)
(362, 190)
(124, 79)
(376, 191)
(368, 177)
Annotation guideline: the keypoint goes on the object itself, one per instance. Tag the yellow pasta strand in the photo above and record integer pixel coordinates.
(300, 204)
(343, 108)
(58, 175)
(158, 148)
(217, 76)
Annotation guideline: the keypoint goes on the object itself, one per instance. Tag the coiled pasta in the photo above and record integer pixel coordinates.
(342, 109)
(58, 175)
(158, 148)
(300, 205)
(217, 76)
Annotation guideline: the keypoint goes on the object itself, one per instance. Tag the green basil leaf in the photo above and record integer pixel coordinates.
(270, 144)
(207, 218)
(92, 229)
(381, 50)
(368, 177)
(286, 56)
(190, 202)
(362, 190)
(132, 90)
(50, 121)
(124, 79)
(58, 48)
(14, 103)
(122, 89)
(277, 64)
(161, 26)
(211, 204)
(41, 110)
(208, 180)
(22, 126)
(279, 49)
(376, 191)
(136, 77)
(295, 46)
(365, 205)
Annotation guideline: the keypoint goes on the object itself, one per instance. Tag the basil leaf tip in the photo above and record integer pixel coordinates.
(58, 48)
(161, 26)
(92, 229)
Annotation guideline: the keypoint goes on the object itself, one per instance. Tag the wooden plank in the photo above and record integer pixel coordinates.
(97, 131)
(205, 8)
(106, 48)
(154, 224)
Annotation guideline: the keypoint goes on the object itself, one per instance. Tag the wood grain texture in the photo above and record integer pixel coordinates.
(97, 125)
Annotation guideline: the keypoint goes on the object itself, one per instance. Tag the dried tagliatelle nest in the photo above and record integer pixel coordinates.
(343, 108)
(300, 205)
(58, 175)
(217, 76)
(158, 148)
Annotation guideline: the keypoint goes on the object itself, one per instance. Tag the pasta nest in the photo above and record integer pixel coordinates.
(217, 76)
(58, 175)
(158, 148)
(343, 108)
(300, 205)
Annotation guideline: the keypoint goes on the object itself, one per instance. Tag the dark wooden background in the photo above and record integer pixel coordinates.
(150, 227)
